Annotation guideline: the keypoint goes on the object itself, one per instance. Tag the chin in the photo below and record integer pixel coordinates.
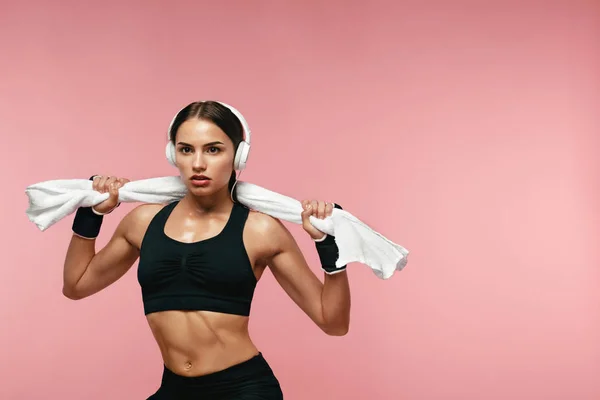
(200, 190)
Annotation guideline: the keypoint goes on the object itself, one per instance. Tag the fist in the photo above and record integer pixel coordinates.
(111, 185)
(318, 209)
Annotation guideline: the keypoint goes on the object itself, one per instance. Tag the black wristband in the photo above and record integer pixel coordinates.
(329, 253)
(87, 223)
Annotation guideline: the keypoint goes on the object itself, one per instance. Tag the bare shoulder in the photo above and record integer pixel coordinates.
(270, 231)
(144, 212)
(264, 224)
(136, 222)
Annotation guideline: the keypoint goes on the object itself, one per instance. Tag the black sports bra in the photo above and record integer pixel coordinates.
(213, 274)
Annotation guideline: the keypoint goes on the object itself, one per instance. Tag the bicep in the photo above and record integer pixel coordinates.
(109, 264)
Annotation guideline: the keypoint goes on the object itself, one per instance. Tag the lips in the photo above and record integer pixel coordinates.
(200, 180)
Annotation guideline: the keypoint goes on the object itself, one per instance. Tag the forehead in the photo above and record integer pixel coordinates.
(198, 131)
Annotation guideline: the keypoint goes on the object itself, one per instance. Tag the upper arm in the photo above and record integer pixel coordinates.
(290, 269)
(117, 257)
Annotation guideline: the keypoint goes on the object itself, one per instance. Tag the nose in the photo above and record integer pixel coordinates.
(199, 163)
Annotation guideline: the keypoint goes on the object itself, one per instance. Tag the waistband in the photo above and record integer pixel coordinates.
(252, 368)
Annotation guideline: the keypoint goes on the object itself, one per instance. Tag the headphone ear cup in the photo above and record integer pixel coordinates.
(170, 153)
(241, 156)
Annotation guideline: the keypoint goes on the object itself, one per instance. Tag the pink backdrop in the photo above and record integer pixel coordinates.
(467, 133)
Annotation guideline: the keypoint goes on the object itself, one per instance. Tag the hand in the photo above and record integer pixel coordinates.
(108, 184)
(318, 209)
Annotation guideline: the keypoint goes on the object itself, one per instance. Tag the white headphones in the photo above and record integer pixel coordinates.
(241, 155)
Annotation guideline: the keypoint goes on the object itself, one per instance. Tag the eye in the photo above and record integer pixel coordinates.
(213, 150)
(185, 149)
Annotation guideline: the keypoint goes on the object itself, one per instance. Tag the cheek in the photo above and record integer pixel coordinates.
(224, 167)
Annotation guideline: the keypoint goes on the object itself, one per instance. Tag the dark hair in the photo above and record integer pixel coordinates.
(218, 114)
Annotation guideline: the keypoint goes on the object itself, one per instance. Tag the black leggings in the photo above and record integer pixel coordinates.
(250, 380)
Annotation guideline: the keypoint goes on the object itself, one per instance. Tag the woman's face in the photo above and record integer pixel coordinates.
(204, 155)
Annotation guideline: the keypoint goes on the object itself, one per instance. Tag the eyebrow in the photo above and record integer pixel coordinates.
(207, 144)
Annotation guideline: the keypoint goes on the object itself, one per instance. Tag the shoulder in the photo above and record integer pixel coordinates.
(270, 229)
(142, 214)
(264, 224)
(135, 223)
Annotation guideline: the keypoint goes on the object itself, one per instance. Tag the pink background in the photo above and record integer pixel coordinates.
(466, 132)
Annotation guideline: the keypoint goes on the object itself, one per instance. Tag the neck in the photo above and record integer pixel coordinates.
(218, 202)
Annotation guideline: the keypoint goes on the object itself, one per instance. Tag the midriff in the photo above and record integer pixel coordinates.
(194, 343)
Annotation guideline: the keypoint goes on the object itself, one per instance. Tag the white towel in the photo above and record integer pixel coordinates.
(50, 201)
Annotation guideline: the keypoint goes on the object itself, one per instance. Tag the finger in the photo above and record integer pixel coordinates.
(321, 210)
(328, 209)
(304, 204)
(306, 213)
(109, 182)
(120, 182)
(308, 208)
(314, 206)
(102, 184)
(95, 182)
(114, 191)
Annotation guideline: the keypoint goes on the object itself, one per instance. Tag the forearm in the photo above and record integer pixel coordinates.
(335, 295)
(82, 248)
(335, 300)
(79, 255)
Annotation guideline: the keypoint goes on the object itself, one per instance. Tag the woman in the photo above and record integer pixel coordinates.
(200, 260)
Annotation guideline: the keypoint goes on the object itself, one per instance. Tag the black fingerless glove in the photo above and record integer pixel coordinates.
(329, 253)
(87, 223)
